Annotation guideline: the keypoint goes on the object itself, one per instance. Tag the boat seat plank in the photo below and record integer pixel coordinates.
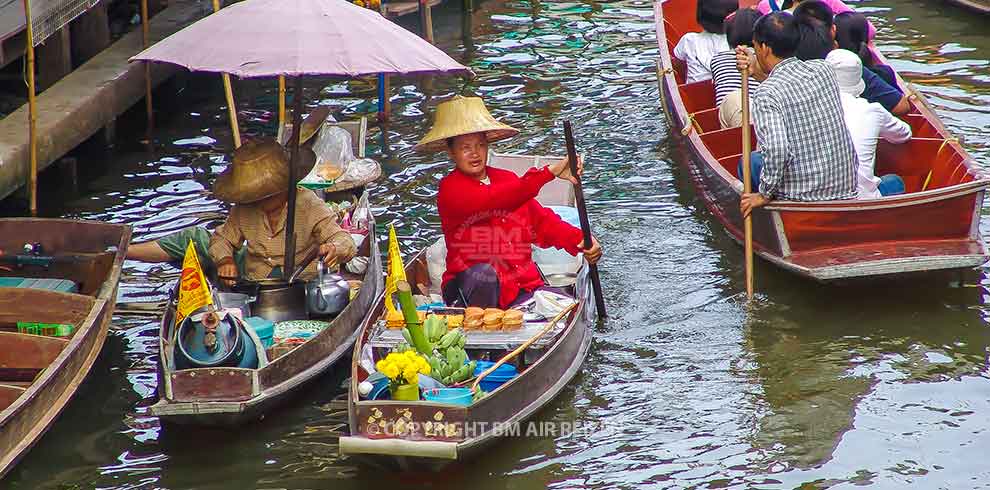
(23, 352)
(697, 96)
(727, 142)
(22, 305)
(921, 127)
(731, 164)
(707, 120)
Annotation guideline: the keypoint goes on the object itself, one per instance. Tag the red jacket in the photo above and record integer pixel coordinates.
(497, 224)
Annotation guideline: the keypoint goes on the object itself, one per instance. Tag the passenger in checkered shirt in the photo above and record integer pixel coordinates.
(805, 151)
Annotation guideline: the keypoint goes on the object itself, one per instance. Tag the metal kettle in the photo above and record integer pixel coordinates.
(328, 294)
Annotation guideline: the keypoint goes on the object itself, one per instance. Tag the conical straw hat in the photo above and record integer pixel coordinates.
(260, 169)
(463, 115)
(311, 125)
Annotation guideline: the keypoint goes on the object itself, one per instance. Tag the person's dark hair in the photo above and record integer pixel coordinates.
(779, 31)
(852, 33)
(815, 41)
(711, 14)
(814, 10)
(739, 27)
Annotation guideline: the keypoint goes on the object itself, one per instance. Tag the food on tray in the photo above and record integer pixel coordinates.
(493, 319)
(473, 318)
(455, 321)
(512, 320)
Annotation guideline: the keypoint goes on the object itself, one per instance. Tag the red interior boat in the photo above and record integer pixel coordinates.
(933, 226)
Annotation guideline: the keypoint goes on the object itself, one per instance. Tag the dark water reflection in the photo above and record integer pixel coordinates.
(815, 387)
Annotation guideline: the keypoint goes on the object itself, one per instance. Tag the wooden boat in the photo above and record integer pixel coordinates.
(934, 226)
(226, 396)
(467, 431)
(40, 373)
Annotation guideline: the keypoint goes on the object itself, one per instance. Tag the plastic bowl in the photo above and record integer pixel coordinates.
(500, 376)
(452, 396)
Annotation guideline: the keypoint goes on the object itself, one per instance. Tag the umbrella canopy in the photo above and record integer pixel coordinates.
(267, 38)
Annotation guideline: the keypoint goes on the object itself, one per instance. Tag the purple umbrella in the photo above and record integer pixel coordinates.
(269, 38)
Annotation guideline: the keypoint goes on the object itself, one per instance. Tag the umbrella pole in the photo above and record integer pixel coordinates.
(384, 102)
(290, 217)
(145, 39)
(32, 113)
(231, 108)
(281, 106)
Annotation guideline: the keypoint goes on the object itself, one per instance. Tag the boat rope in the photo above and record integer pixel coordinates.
(690, 122)
(662, 72)
(946, 142)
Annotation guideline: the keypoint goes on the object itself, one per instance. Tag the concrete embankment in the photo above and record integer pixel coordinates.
(88, 99)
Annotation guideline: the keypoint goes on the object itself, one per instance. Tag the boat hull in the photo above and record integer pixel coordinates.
(27, 419)
(934, 227)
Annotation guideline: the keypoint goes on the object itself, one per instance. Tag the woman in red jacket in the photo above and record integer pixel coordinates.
(489, 216)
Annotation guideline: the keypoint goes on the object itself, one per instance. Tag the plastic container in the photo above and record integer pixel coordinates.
(264, 328)
(451, 396)
(504, 373)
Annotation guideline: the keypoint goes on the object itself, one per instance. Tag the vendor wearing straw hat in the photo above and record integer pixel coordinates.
(256, 183)
(489, 216)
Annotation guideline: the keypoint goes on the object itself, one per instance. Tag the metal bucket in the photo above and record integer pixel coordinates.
(240, 301)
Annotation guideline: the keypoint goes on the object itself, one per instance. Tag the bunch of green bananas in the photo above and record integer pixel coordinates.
(448, 359)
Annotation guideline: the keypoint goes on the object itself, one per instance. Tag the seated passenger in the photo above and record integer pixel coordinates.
(697, 48)
(817, 27)
(867, 123)
(805, 152)
(725, 74)
(836, 6)
(851, 34)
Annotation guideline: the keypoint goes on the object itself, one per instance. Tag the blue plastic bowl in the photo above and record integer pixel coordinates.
(500, 376)
(452, 396)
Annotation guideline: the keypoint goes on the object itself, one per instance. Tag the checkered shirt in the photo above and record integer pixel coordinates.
(808, 154)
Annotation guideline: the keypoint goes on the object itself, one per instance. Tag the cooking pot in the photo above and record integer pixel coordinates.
(277, 300)
(240, 301)
(328, 294)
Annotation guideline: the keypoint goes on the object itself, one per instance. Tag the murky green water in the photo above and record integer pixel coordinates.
(882, 384)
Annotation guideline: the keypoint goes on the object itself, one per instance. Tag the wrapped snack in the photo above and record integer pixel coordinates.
(473, 318)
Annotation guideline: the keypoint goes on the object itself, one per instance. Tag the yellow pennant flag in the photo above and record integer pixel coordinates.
(396, 271)
(194, 292)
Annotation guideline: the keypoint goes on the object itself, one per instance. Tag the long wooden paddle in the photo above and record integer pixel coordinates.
(747, 183)
(596, 281)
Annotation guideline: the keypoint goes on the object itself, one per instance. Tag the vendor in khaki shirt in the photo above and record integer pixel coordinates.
(256, 183)
(489, 216)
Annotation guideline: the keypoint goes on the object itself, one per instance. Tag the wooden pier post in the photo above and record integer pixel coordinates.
(146, 40)
(426, 18)
(54, 59)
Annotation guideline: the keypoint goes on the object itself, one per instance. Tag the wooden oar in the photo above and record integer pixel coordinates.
(596, 281)
(508, 357)
(747, 185)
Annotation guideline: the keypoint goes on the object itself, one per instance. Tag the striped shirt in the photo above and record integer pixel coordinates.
(726, 76)
(314, 226)
(808, 154)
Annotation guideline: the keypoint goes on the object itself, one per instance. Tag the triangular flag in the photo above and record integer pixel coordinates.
(396, 271)
(194, 292)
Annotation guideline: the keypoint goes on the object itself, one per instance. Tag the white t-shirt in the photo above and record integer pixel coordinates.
(697, 49)
(867, 123)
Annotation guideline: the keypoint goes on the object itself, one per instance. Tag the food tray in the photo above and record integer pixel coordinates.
(478, 339)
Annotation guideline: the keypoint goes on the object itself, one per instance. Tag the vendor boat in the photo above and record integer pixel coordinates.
(246, 377)
(429, 434)
(58, 289)
(933, 226)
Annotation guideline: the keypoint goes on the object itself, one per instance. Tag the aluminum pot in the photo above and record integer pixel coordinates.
(241, 301)
(328, 294)
(277, 300)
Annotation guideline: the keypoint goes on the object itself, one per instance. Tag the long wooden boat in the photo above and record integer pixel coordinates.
(72, 282)
(227, 396)
(934, 226)
(428, 435)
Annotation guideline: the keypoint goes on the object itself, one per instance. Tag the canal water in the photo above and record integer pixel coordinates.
(878, 384)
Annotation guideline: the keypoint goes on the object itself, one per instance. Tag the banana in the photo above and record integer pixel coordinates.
(448, 339)
(474, 365)
(447, 380)
(407, 336)
(434, 364)
(451, 356)
(401, 347)
(461, 341)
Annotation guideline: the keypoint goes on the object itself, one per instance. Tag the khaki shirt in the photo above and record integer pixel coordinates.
(315, 225)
